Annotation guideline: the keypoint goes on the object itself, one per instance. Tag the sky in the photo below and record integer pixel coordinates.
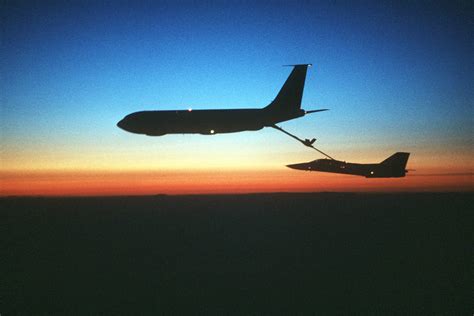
(396, 77)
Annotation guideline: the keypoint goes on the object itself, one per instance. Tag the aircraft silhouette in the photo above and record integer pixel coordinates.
(286, 106)
(392, 167)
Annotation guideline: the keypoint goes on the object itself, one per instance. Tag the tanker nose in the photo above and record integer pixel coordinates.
(121, 124)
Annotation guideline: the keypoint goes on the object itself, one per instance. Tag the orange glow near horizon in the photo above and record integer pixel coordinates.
(213, 171)
(100, 183)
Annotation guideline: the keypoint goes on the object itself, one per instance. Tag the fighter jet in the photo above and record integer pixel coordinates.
(286, 106)
(392, 167)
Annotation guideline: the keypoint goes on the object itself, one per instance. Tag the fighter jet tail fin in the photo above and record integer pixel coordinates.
(397, 161)
(290, 95)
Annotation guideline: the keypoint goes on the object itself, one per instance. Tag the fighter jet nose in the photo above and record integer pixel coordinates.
(299, 166)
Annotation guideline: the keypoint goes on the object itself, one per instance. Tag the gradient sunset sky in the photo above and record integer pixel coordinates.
(396, 77)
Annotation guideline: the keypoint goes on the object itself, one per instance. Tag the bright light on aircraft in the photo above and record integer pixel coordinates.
(212, 131)
(189, 110)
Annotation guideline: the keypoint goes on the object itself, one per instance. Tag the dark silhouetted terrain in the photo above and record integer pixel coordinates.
(260, 254)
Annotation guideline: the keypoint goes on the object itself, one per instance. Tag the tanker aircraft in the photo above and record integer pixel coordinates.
(286, 106)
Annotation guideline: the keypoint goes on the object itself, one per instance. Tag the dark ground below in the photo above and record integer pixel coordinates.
(327, 253)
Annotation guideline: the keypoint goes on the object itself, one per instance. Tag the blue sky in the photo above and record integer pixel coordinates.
(395, 76)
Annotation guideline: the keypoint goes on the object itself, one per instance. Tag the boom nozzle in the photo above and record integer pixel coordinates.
(308, 142)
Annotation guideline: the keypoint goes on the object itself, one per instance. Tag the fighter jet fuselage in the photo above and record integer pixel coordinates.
(286, 106)
(392, 167)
